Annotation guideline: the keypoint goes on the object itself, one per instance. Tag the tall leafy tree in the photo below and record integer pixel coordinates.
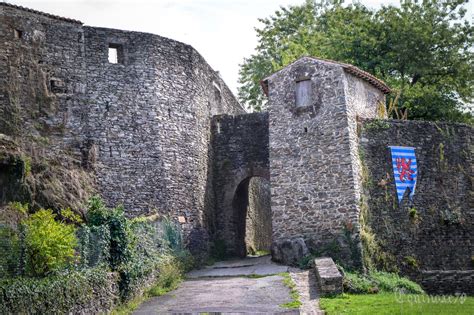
(424, 50)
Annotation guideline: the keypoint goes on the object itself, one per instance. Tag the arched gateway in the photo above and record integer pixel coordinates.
(241, 181)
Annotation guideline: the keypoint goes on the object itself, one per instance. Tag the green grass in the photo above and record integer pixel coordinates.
(295, 296)
(393, 303)
(259, 253)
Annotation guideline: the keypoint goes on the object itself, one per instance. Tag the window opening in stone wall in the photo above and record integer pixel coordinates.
(18, 34)
(305, 129)
(303, 92)
(115, 53)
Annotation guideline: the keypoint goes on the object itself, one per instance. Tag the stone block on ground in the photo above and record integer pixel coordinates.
(328, 277)
(289, 251)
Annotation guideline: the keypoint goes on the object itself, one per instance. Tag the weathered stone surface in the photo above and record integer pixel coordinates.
(434, 231)
(257, 266)
(328, 277)
(223, 296)
(240, 153)
(313, 155)
(258, 225)
(447, 281)
(289, 251)
(141, 125)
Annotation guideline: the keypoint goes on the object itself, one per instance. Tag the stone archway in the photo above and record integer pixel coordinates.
(240, 152)
(252, 216)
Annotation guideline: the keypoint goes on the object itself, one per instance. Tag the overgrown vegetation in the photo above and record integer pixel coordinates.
(58, 249)
(49, 243)
(55, 294)
(377, 281)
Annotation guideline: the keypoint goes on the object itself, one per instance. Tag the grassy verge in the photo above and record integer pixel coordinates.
(295, 296)
(394, 303)
(169, 278)
(157, 290)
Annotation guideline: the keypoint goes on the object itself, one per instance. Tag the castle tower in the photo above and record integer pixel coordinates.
(315, 170)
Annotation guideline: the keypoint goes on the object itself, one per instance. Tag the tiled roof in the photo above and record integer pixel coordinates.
(52, 16)
(379, 84)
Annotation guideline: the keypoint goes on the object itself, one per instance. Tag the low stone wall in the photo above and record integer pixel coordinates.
(328, 277)
(447, 281)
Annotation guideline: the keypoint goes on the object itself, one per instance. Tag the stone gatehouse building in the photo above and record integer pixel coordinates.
(160, 132)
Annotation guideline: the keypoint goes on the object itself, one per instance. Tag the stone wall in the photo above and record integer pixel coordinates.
(240, 146)
(141, 127)
(434, 231)
(42, 106)
(312, 156)
(149, 123)
(42, 77)
(258, 225)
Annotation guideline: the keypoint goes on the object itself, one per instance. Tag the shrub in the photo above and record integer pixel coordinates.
(58, 294)
(97, 212)
(356, 283)
(134, 276)
(119, 227)
(391, 282)
(49, 243)
(10, 247)
(170, 275)
(379, 281)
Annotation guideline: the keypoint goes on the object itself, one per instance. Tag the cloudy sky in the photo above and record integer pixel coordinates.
(221, 30)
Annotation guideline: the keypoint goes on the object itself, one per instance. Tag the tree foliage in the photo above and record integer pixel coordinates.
(422, 49)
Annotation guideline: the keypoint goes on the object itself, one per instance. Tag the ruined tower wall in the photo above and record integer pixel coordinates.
(313, 194)
(42, 79)
(142, 125)
(314, 160)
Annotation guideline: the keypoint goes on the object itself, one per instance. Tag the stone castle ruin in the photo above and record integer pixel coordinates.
(147, 123)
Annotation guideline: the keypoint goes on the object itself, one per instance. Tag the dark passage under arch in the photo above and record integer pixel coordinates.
(252, 216)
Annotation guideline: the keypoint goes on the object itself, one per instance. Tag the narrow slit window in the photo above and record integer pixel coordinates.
(18, 34)
(303, 93)
(115, 53)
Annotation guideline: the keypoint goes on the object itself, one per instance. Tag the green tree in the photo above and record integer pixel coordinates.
(424, 50)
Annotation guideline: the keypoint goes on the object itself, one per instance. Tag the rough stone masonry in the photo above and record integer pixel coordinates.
(159, 131)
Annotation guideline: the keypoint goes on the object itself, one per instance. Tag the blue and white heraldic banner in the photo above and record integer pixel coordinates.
(405, 170)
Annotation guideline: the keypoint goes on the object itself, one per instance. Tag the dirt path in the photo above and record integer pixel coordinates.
(249, 285)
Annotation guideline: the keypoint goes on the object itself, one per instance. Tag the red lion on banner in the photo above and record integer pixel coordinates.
(404, 169)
